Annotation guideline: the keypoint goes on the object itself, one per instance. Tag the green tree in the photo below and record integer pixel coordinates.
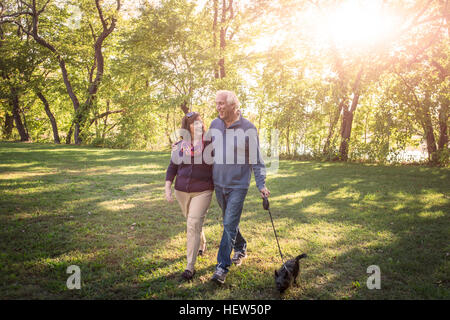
(34, 20)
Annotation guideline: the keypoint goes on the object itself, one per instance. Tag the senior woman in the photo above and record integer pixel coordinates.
(193, 186)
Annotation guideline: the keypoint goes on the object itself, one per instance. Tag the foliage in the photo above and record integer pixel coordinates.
(162, 59)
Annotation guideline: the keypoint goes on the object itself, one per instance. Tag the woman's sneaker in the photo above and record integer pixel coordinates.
(187, 275)
(238, 257)
(219, 276)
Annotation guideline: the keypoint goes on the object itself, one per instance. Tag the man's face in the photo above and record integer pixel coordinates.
(225, 110)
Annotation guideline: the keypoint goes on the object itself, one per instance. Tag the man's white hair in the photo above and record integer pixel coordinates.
(232, 99)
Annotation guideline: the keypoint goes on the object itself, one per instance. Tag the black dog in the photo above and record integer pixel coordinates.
(288, 273)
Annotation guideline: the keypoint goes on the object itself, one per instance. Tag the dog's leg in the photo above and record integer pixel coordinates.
(296, 271)
(295, 280)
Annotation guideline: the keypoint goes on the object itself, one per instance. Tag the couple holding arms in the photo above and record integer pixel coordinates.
(196, 180)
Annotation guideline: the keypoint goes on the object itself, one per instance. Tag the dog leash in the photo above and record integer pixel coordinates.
(266, 207)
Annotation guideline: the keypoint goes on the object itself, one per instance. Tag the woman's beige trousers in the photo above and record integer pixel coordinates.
(194, 206)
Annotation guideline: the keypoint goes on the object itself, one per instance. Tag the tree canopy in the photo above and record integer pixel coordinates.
(339, 79)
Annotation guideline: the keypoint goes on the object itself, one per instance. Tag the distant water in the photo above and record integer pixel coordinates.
(417, 155)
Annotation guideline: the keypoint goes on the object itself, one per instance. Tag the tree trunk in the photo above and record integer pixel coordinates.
(80, 110)
(50, 117)
(9, 125)
(431, 142)
(167, 129)
(287, 139)
(347, 118)
(25, 125)
(105, 121)
(333, 122)
(444, 105)
(184, 107)
(62, 65)
(346, 128)
(443, 127)
(224, 20)
(69, 134)
(94, 85)
(429, 133)
(14, 101)
(222, 40)
(216, 13)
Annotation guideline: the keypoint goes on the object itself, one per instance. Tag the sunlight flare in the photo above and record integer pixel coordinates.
(358, 24)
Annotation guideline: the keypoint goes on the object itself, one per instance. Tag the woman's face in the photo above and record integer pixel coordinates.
(196, 128)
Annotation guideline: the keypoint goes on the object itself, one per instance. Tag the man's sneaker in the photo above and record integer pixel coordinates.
(238, 257)
(219, 276)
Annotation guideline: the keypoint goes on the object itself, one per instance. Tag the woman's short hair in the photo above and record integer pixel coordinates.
(232, 99)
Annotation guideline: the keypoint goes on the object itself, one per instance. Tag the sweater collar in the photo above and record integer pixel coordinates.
(237, 122)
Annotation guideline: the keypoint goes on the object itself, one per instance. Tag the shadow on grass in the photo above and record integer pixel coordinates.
(129, 243)
(104, 222)
(388, 219)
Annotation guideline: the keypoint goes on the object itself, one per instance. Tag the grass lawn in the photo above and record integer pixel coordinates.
(104, 210)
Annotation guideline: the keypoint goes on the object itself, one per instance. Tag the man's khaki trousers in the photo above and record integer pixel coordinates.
(194, 206)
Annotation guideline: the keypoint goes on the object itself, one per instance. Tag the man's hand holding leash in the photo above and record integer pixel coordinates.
(265, 193)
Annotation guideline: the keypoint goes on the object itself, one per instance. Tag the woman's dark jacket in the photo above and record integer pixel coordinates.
(190, 177)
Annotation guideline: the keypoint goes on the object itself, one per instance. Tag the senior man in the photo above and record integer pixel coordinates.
(236, 155)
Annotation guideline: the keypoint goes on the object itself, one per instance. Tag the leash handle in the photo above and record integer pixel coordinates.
(266, 207)
(265, 203)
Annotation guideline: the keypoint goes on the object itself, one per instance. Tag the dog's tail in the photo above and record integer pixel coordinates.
(303, 255)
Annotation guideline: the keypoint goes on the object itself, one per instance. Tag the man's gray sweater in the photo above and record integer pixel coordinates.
(232, 167)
